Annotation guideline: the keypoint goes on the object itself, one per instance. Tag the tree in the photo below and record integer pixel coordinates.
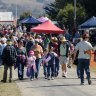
(66, 15)
(25, 14)
(63, 11)
(53, 8)
(51, 11)
(90, 7)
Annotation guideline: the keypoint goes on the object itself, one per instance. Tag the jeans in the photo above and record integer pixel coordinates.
(38, 62)
(84, 65)
(78, 71)
(31, 73)
(51, 69)
(45, 69)
(56, 65)
(20, 71)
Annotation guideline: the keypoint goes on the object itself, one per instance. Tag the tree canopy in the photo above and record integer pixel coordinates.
(63, 10)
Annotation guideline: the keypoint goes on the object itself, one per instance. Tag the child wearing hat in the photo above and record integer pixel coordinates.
(31, 64)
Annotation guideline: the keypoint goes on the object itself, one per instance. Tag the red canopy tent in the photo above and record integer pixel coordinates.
(47, 27)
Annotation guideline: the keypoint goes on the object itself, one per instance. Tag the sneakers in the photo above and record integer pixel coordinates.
(45, 77)
(89, 82)
(32, 79)
(52, 78)
(64, 76)
(48, 78)
(4, 81)
(82, 83)
(10, 81)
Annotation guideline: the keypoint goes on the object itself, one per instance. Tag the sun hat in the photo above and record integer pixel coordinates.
(55, 39)
(31, 52)
(63, 39)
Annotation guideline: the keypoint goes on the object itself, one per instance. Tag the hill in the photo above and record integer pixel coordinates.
(35, 6)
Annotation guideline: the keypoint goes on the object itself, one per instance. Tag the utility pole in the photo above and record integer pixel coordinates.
(16, 13)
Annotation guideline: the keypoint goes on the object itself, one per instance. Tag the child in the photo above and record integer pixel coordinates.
(51, 63)
(44, 63)
(71, 55)
(31, 64)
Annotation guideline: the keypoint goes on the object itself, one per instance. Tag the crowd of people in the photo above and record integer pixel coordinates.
(23, 49)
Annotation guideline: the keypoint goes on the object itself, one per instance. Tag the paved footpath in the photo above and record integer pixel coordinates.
(57, 87)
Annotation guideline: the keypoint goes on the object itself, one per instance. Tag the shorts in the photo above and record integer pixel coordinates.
(63, 60)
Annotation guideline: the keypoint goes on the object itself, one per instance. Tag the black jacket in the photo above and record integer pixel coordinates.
(9, 55)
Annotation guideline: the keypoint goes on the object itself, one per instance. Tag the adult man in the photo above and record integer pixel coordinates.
(64, 50)
(84, 47)
(8, 58)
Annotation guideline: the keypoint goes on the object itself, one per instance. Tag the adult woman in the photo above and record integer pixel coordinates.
(38, 53)
(21, 59)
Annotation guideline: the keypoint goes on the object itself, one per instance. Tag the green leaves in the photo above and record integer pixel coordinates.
(63, 11)
(25, 14)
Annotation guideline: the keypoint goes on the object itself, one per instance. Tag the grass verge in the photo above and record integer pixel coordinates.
(8, 89)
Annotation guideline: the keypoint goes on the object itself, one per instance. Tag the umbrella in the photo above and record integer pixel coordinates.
(89, 23)
(47, 27)
(30, 20)
(43, 19)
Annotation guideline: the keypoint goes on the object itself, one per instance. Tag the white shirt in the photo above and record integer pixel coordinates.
(83, 46)
(31, 60)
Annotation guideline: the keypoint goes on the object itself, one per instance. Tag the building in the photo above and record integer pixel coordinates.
(6, 18)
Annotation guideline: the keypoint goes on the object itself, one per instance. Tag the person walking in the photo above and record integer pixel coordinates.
(31, 64)
(51, 63)
(54, 44)
(21, 59)
(64, 52)
(8, 58)
(84, 47)
(45, 72)
(38, 52)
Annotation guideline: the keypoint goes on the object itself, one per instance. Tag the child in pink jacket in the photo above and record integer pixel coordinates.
(31, 64)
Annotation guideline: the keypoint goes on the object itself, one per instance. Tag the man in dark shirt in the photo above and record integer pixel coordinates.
(8, 58)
